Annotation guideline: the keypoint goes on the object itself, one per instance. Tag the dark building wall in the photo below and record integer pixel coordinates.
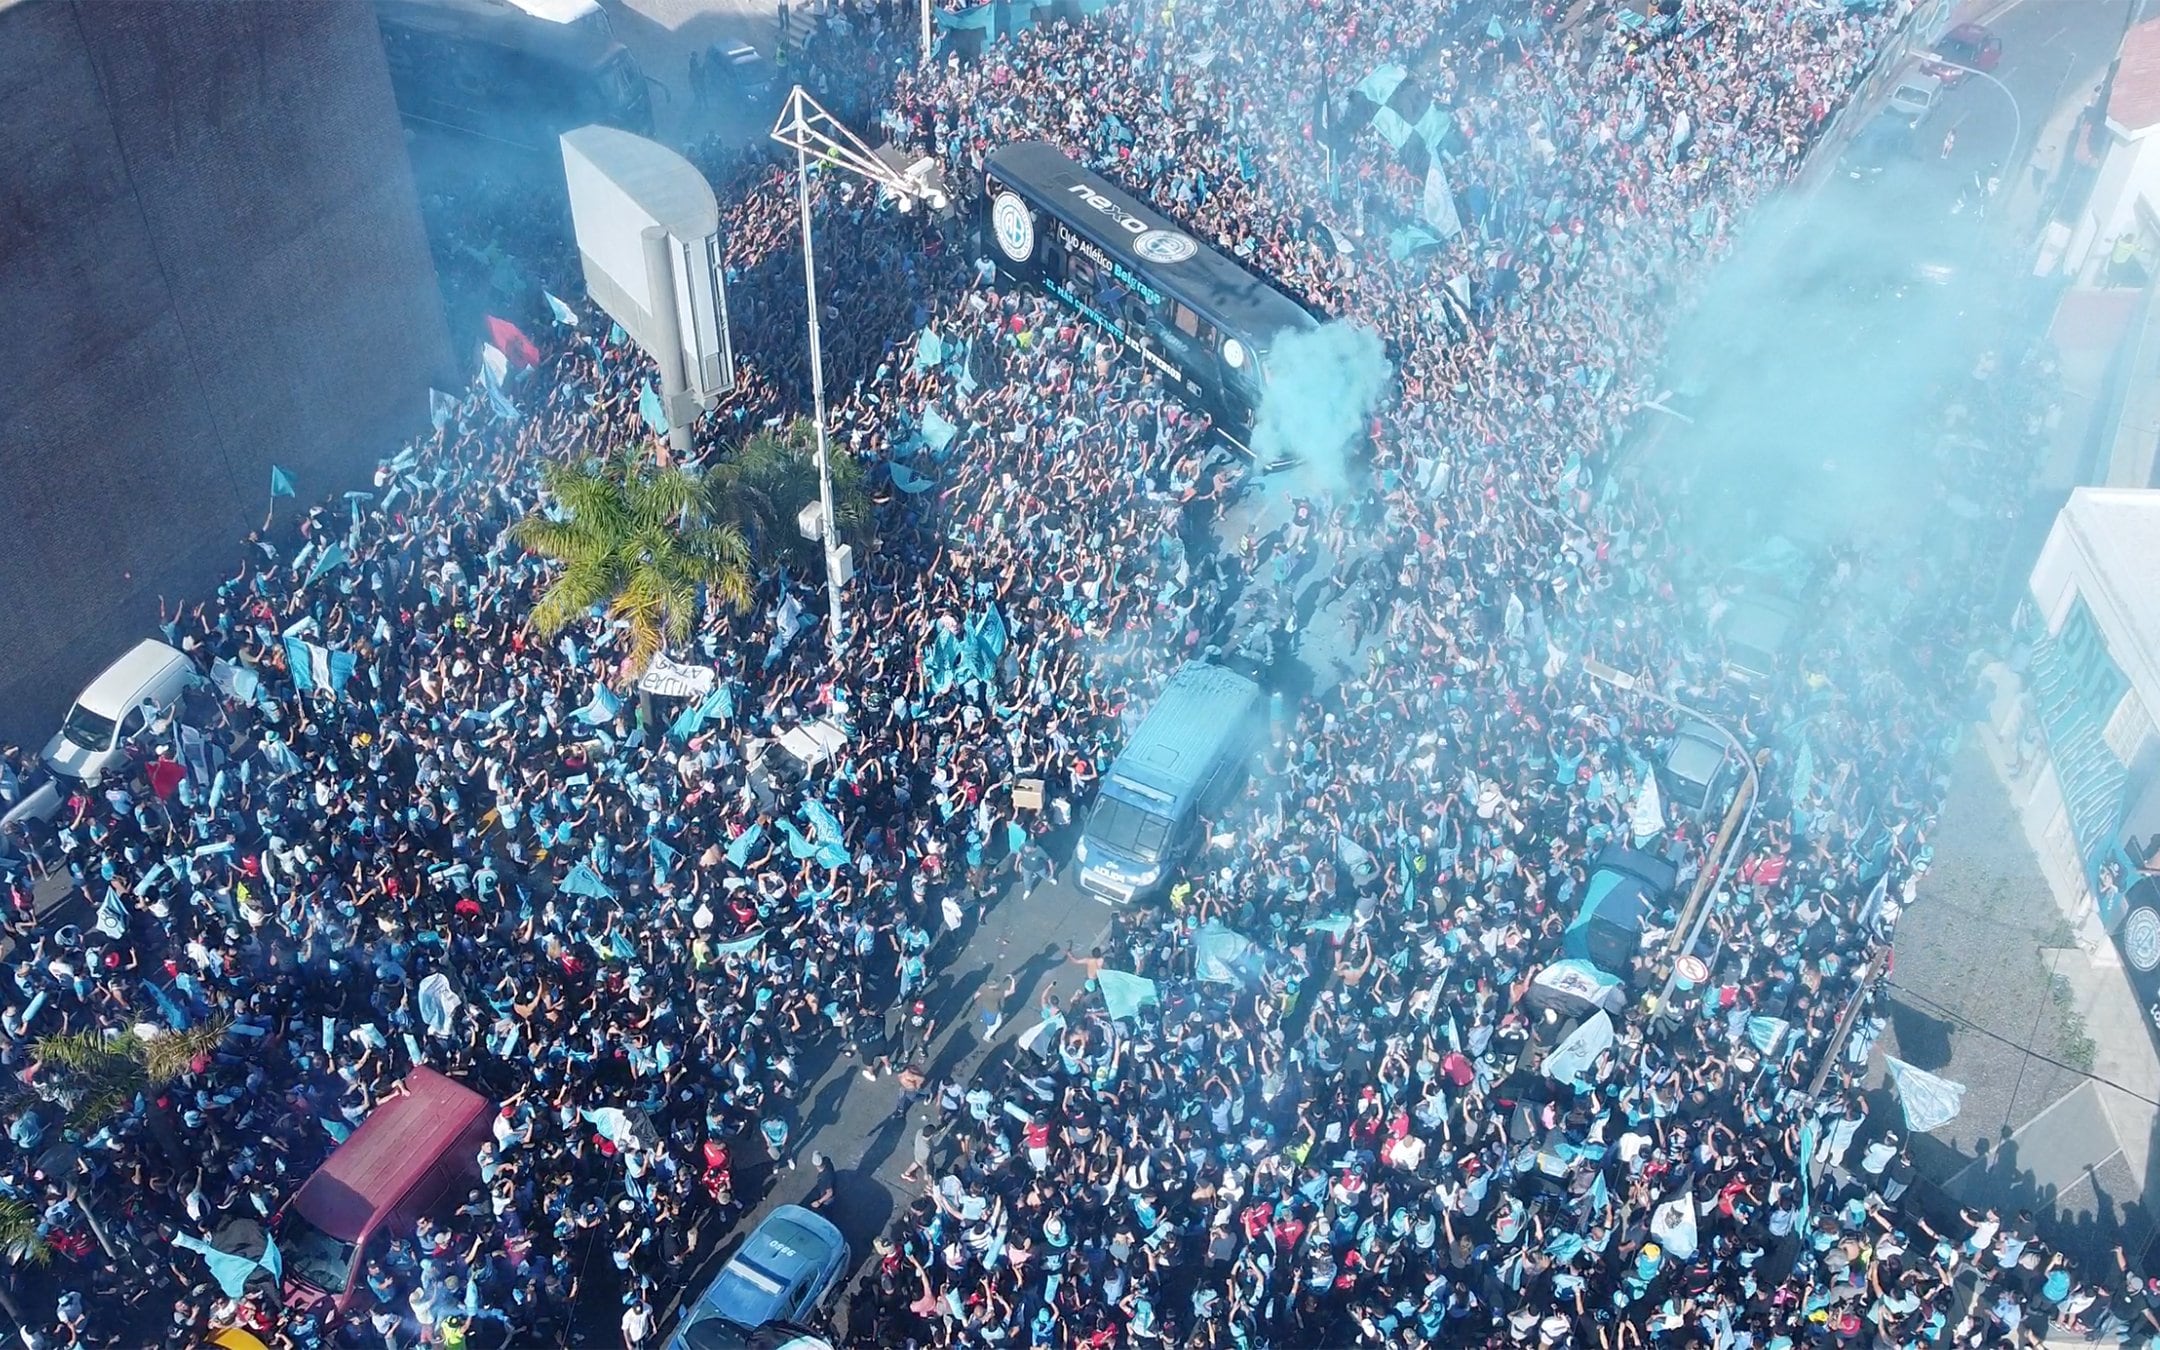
(211, 260)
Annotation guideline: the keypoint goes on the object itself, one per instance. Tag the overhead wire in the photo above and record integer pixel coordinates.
(1906, 991)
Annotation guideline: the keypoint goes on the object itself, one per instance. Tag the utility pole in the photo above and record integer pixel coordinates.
(806, 127)
(1700, 899)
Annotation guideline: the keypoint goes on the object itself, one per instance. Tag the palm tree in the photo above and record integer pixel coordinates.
(22, 1243)
(640, 540)
(771, 476)
(92, 1077)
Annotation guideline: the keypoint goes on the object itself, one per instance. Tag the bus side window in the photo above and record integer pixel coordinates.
(1188, 322)
(1080, 272)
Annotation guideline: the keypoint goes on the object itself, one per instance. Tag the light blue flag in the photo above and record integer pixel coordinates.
(333, 556)
(583, 880)
(615, 335)
(741, 946)
(231, 1272)
(719, 701)
(1380, 85)
(1930, 1102)
(1336, 926)
(1764, 1033)
(910, 482)
(603, 708)
(649, 407)
(937, 431)
(745, 844)
(1124, 993)
(929, 350)
(281, 483)
(1810, 1134)
(564, 315)
(1803, 773)
(441, 408)
(664, 857)
(798, 846)
(823, 821)
(1221, 956)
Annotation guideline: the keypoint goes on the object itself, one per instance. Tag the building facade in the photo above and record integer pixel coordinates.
(211, 261)
(2083, 720)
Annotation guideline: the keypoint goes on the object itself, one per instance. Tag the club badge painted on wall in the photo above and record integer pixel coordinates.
(2141, 938)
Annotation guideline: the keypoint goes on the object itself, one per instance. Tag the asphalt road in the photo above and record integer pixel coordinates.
(1814, 353)
(855, 1121)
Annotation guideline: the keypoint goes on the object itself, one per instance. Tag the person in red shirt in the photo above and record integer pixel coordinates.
(165, 774)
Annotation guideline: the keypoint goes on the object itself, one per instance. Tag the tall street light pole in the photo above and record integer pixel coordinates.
(1728, 837)
(2017, 113)
(808, 128)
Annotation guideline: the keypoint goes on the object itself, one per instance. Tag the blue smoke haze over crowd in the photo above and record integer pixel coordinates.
(1322, 385)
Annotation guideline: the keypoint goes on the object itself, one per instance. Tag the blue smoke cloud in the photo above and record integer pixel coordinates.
(1322, 385)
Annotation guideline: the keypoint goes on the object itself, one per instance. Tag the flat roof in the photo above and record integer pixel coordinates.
(112, 693)
(396, 1145)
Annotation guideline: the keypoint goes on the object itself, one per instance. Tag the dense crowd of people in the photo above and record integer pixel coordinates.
(480, 856)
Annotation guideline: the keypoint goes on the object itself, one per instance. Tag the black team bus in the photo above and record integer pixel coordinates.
(1206, 323)
(519, 72)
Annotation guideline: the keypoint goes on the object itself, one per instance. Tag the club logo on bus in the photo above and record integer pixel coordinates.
(1158, 246)
(1165, 246)
(1014, 227)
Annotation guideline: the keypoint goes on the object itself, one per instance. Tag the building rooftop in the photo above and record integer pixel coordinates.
(2134, 101)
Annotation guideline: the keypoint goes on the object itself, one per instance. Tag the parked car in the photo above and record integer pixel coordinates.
(787, 1268)
(1915, 95)
(1697, 771)
(133, 693)
(1970, 46)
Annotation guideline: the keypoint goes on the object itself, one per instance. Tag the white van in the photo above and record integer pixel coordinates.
(135, 691)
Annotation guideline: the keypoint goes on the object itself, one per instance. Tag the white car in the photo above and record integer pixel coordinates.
(1915, 95)
(133, 692)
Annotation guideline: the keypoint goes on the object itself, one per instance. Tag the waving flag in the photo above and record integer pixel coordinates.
(602, 709)
(564, 315)
(513, 342)
(745, 844)
(281, 483)
(649, 407)
(823, 822)
(1930, 1102)
(333, 556)
(1124, 993)
(441, 408)
(317, 669)
(583, 880)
